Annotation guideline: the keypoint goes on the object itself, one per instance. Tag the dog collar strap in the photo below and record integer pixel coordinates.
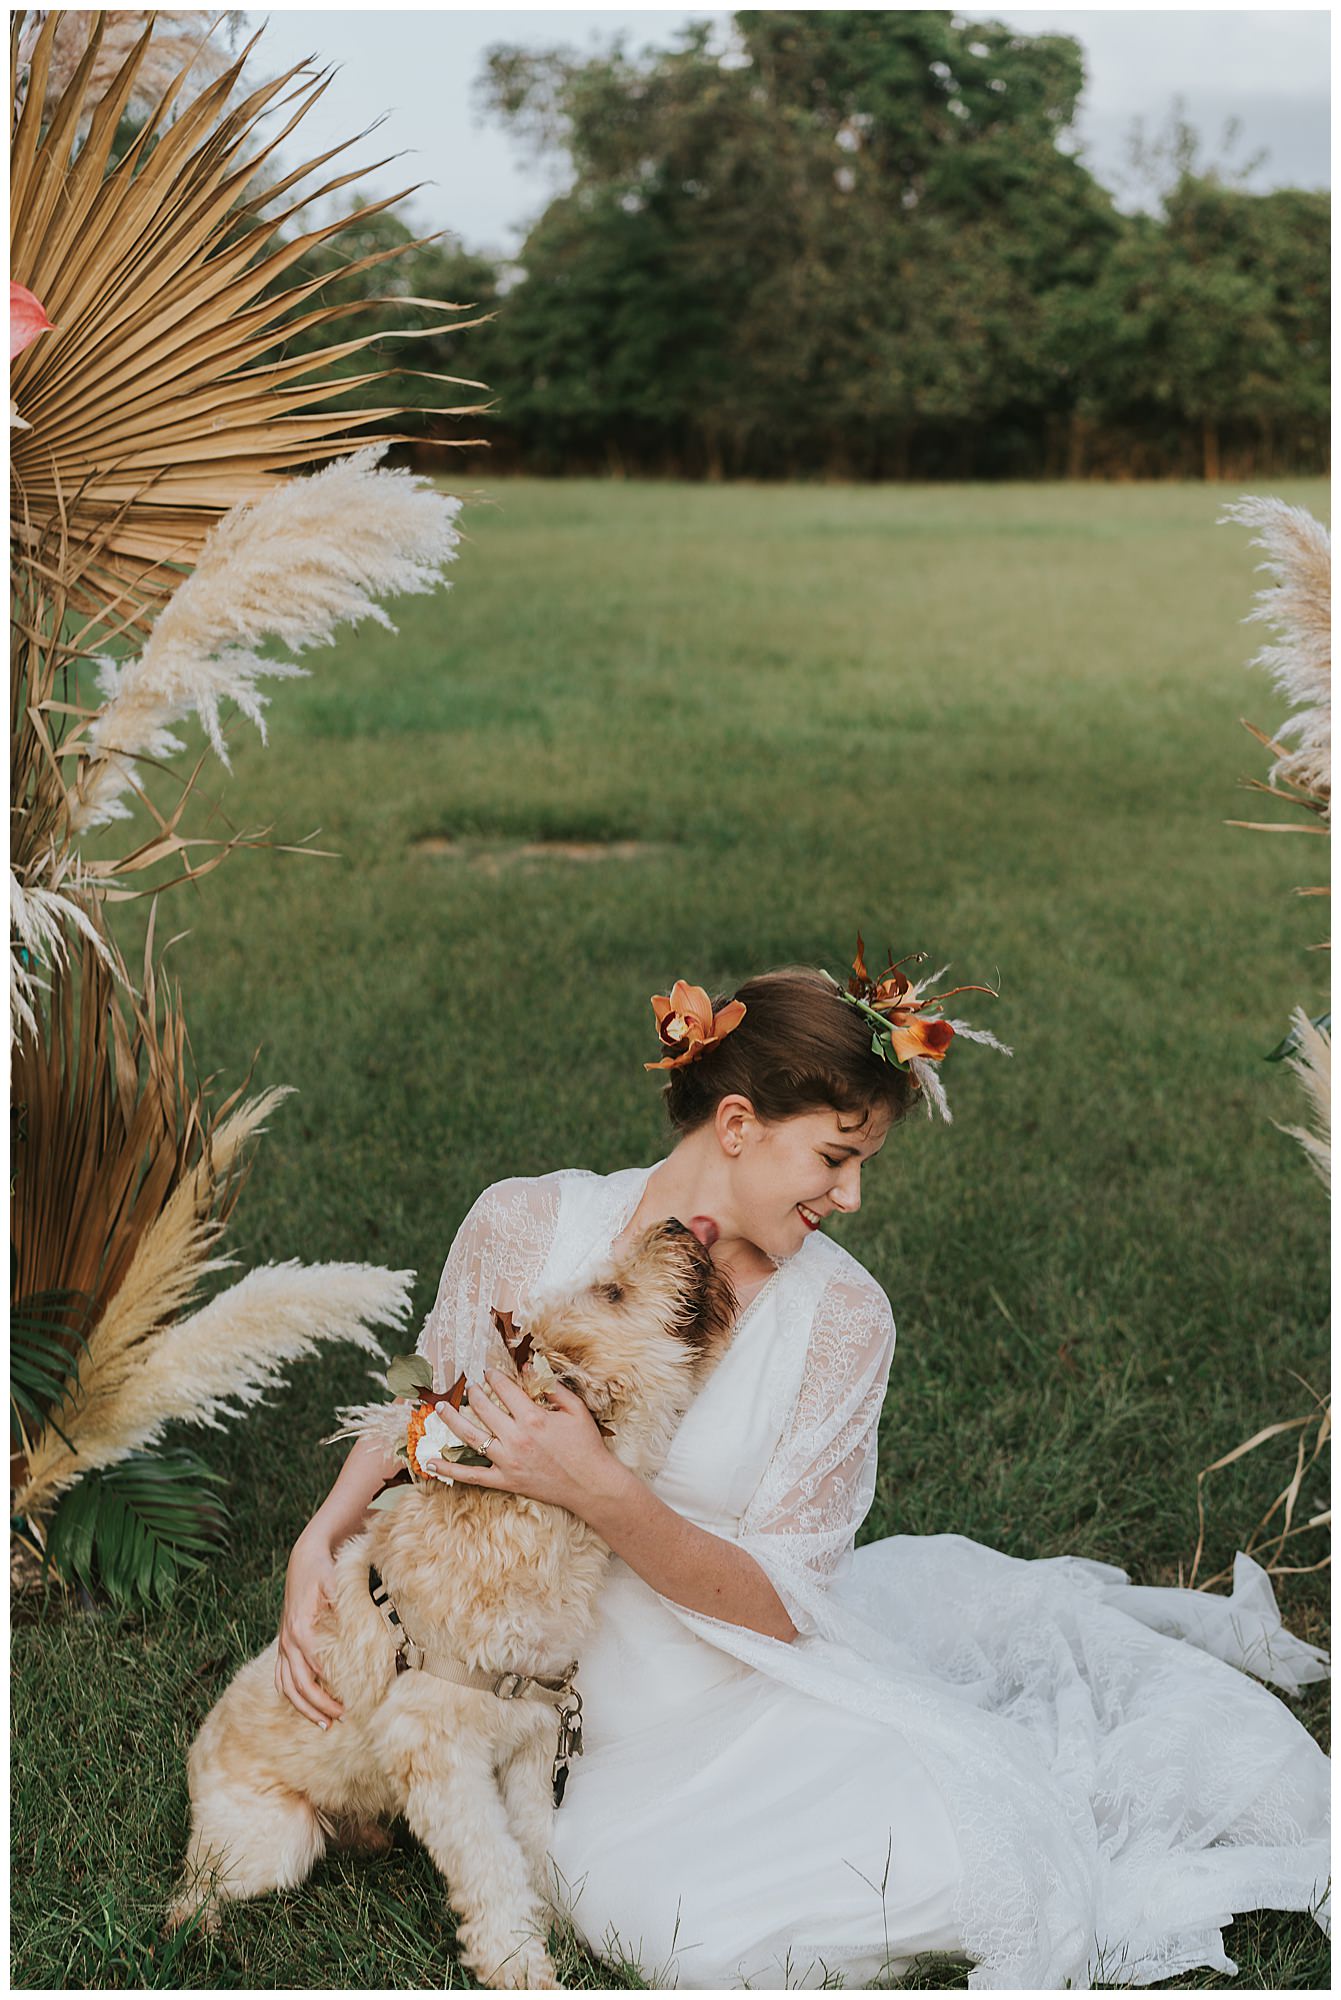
(559, 1692)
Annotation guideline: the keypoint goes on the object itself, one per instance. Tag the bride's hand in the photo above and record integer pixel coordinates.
(552, 1452)
(307, 1589)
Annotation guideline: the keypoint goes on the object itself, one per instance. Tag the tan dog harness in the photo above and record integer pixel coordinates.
(559, 1692)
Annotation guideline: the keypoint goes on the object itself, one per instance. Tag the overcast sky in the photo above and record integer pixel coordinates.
(1267, 68)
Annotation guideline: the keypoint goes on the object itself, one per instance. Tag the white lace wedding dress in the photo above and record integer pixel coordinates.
(1017, 1761)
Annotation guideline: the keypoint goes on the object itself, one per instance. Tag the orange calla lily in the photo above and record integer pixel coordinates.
(913, 1030)
(687, 1024)
(917, 1037)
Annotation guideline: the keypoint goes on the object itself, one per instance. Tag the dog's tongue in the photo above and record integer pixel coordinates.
(705, 1229)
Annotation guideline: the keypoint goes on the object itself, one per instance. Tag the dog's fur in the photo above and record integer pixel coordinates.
(500, 1582)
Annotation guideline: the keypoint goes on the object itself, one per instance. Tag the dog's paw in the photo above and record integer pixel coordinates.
(507, 1967)
(528, 1971)
(184, 1909)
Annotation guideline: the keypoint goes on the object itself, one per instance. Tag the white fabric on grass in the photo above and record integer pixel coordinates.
(961, 1750)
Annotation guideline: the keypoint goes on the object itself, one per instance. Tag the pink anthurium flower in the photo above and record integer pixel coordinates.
(27, 318)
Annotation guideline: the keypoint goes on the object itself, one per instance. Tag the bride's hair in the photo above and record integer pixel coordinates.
(799, 1048)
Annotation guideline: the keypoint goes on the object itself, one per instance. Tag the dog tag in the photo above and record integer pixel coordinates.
(570, 1742)
(571, 1727)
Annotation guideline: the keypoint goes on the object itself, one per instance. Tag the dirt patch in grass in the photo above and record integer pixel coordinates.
(490, 857)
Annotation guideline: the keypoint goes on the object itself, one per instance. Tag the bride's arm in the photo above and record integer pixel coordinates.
(558, 1455)
(801, 1523)
(693, 1568)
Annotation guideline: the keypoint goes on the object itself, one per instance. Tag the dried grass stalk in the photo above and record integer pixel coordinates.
(1286, 1500)
(381, 1423)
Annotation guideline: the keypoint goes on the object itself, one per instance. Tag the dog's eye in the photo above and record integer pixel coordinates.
(614, 1293)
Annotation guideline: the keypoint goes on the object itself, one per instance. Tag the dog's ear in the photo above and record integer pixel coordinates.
(600, 1397)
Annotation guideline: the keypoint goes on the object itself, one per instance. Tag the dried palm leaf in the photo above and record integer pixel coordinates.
(182, 42)
(108, 1126)
(152, 408)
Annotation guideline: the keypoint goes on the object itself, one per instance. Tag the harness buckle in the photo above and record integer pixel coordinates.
(509, 1686)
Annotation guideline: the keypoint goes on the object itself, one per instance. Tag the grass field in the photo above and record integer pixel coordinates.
(657, 731)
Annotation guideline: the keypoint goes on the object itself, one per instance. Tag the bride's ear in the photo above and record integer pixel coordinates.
(734, 1121)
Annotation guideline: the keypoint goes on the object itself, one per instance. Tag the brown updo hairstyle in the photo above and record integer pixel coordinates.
(799, 1048)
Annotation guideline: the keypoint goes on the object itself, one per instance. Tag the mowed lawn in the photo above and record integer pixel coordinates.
(657, 731)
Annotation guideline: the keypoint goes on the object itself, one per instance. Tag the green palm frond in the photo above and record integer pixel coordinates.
(135, 1529)
(46, 1340)
(1291, 1042)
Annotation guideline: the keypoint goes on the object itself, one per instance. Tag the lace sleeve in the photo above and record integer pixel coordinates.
(497, 1257)
(801, 1523)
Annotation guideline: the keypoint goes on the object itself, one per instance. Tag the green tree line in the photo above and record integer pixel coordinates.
(857, 245)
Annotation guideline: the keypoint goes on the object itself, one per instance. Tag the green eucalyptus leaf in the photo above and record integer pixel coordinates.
(390, 1496)
(465, 1454)
(409, 1373)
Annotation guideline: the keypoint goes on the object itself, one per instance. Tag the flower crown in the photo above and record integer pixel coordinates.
(909, 1032)
(908, 1029)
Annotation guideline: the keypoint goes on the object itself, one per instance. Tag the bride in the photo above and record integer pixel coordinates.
(805, 1764)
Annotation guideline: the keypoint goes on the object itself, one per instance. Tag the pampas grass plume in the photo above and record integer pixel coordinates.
(1312, 1064)
(216, 1363)
(37, 919)
(1298, 603)
(313, 555)
(169, 1262)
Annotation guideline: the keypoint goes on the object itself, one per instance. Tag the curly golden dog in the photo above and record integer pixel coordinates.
(503, 1584)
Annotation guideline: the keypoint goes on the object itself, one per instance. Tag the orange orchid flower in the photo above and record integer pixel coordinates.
(687, 1024)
